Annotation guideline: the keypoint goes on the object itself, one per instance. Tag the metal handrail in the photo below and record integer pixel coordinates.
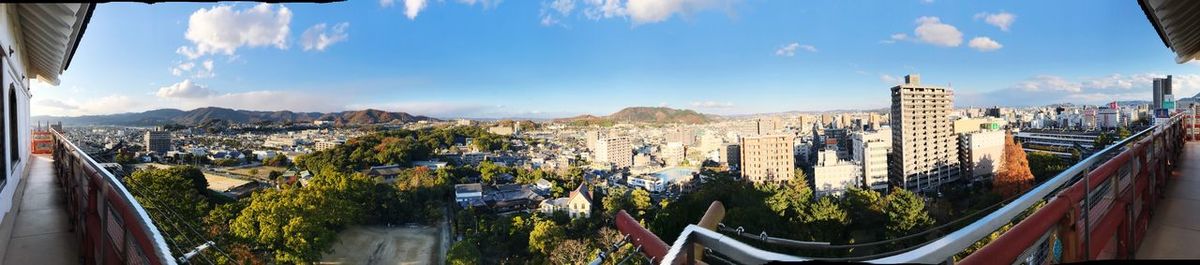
(162, 253)
(941, 250)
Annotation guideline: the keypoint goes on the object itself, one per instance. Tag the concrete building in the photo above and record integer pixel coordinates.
(981, 154)
(157, 141)
(871, 150)
(924, 147)
(674, 153)
(832, 176)
(614, 150)
(767, 158)
(326, 145)
(730, 155)
(1108, 118)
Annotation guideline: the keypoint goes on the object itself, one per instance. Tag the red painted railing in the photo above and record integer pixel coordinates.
(1103, 216)
(111, 226)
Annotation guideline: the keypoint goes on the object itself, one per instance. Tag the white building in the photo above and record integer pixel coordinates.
(981, 154)
(465, 193)
(871, 150)
(832, 176)
(648, 182)
(674, 153)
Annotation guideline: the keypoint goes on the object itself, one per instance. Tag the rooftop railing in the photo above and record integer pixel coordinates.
(111, 226)
(1098, 208)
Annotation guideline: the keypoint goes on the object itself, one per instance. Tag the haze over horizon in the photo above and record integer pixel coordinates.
(562, 58)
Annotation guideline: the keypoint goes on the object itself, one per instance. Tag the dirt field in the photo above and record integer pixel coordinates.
(220, 183)
(376, 245)
(263, 171)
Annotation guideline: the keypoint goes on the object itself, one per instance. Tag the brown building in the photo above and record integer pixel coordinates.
(767, 158)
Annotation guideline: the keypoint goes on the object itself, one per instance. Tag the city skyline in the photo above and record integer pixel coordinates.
(542, 59)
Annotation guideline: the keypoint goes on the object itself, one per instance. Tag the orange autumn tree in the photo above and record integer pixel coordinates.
(1014, 176)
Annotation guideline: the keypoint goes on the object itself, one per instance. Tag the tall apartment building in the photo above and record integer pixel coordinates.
(924, 147)
(871, 150)
(1162, 88)
(767, 158)
(615, 150)
(592, 137)
(157, 141)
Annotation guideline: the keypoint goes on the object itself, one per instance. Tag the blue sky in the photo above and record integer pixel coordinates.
(555, 58)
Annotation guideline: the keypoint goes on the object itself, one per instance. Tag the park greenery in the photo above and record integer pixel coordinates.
(294, 224)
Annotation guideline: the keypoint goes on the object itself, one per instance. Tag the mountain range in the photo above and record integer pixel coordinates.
(210, 114)
(655, 115)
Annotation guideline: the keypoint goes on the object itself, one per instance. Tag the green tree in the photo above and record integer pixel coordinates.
(546, 235)
(640, 199)
(828, 220)
(905, 212)
(617, 199)
(175, 204)
(1044, 166)
(1123, 133)
(865, 207)
(463, 253)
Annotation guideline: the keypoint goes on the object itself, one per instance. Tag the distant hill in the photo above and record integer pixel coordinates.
(654, 115)
(211, 114)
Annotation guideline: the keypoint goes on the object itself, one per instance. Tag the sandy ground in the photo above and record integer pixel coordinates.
(220, 183)
(263, 171)
(377, 245)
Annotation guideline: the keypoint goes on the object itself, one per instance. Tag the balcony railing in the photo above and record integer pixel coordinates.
(111, 226)
(1097, 209)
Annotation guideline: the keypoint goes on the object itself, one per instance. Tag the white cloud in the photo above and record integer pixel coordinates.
(485, 3)
(320, 36)
(651, 11)
(562, 7)
(184, 89)
(712, 105)
(931, 30)
(1001, 20)
(189, 69)
(1048, 83)
(984, 44)
(387, 3)
(1048, 89)
(597, 9)
(413, 7)
(92, 106)
(56, 104)
(789, 49)
(221, 29)
(889, 79)
(182, 68)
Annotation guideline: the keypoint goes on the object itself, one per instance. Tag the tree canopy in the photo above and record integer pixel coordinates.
(1014, 176)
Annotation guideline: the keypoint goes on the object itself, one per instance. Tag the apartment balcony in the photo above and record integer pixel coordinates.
(73, 211)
